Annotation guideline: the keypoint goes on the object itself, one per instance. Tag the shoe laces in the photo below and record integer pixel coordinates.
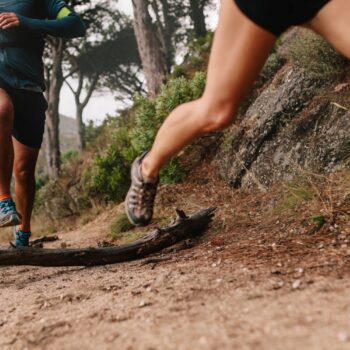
(7, 205)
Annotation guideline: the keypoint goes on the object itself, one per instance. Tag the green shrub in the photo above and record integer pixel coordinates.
(69, 155)
(271, 67)
(41, 180)
(151, 114)
(109, 176)
(196, 59)
(312, 53)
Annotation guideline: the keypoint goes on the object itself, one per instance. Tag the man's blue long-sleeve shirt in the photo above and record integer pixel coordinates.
(21, 49)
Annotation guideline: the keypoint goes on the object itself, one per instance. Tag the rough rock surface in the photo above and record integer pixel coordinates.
(291, 127)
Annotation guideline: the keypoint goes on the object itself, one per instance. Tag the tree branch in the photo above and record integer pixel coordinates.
(182, 228)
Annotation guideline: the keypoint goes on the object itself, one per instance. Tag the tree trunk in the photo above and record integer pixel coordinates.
(149, 46)
(169, 31)
(55, 81)
(198, 18)
(80, 126)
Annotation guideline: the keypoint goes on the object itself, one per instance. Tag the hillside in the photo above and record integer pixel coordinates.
(273, 269)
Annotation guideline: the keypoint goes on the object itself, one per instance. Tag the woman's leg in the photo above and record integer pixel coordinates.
(24, 171)
(239, 51)
(333, 23)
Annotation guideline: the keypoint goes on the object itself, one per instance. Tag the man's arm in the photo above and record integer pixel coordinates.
(67, 24)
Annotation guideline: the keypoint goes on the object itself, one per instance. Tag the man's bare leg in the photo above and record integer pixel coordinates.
(239, 51)
(333, 23)
(24, 171)
(6, 148)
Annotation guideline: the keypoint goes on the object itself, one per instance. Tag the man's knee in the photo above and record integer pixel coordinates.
(23, 173)
(218, 115)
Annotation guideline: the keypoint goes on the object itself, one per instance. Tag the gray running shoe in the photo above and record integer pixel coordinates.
(8, 213)
(139, 201)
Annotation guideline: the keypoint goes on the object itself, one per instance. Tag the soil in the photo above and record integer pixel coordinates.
(257, 279)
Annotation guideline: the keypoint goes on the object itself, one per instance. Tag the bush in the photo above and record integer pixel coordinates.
(312, 53)
(69, 155)
(109, 176)
(151, 114)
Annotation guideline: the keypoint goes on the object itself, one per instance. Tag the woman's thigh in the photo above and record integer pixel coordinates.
(333, 23)
(239, 51)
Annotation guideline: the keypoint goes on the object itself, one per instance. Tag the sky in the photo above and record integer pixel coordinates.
(101, 105)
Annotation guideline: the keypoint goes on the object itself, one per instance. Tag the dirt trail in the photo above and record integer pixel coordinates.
(238, 288)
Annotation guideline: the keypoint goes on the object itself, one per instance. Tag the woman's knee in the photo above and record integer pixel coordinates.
(217, 115)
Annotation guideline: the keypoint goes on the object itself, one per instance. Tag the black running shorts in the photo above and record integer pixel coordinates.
(29, 113)
(277, 15)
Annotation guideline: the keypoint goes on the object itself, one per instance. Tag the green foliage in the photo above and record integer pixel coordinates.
(272, 65)
(294, 195)
(151, 114)
(120, 225)
(196, 58)
(109, 176)
(319, 221)
(69, 155)
(41, 180)
(312, 53)
(92, 131)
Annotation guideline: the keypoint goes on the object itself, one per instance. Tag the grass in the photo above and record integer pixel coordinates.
(293, 195)
(120, 226)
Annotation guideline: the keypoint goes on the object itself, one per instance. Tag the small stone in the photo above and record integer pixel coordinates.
(296, 284)
(278, 285)
(144, 303)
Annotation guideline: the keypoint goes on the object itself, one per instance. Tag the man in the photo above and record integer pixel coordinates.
(22, 103)
(245, 36)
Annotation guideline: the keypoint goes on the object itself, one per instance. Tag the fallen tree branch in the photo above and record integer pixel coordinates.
(183, 227)
(43, 239)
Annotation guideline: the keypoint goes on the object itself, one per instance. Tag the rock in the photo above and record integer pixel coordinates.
(286, 129)
(296, 284)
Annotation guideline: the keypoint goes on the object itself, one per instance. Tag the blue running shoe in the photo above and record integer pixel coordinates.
(22, 238)
(8, 213)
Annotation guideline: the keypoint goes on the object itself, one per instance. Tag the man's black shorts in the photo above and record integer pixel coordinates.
(278, 15)
(29, 112)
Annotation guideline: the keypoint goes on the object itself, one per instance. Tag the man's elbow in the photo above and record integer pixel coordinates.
(81, 29)
(78, 29)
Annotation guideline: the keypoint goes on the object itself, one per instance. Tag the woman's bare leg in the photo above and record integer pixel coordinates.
(333, 23)
(239, 51)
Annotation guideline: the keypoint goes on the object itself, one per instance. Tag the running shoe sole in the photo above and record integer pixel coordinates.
(11, 220)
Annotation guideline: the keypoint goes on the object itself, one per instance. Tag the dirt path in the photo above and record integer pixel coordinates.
(237, 288)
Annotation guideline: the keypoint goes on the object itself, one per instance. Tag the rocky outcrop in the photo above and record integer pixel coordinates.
(293, 125)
